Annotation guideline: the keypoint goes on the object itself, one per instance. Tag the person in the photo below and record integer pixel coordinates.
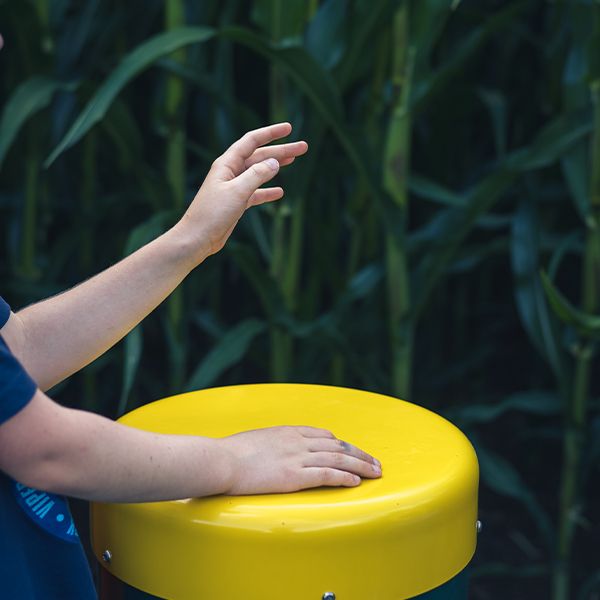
(48, 451)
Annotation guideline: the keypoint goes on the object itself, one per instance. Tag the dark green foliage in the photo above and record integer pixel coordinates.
(439, 242)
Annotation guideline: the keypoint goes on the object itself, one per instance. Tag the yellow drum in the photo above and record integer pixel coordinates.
(387, 539)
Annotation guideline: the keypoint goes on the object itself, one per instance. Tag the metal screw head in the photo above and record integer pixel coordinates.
(478, 526)
(107, 556)
(328, 596)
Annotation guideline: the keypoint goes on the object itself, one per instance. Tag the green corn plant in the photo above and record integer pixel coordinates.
(29, 222)
(291, 271)
(395, 174)
(288, 222)
(27, 264)
(578, 402)
(280, 341)
(578, 166)
(176, 177)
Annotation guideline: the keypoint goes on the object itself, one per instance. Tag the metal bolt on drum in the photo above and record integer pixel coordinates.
(328, 596)
(478, 526)
(107, 556)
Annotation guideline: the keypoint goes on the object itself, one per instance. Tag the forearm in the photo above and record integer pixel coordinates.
(75, 453)
(64, 333)
(104, 461)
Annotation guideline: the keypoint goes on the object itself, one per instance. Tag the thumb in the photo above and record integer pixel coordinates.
(255, 176)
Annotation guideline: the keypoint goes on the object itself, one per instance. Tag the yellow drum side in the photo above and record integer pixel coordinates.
(387, 539)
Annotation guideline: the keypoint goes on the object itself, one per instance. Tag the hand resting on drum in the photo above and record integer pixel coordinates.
(287, 459)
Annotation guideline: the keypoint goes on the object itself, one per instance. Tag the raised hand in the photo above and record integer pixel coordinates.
(292, 458)
(233, 185)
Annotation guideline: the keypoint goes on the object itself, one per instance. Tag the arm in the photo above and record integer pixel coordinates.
(59, 336)
(81, 454)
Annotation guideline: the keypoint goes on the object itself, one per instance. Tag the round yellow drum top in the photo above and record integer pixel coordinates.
(386, 539)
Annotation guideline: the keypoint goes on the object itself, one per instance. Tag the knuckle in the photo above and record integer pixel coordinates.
(249, 138)
(336, 458)
(259, 170)
(292, 433)
(327, 476)
(237, 187)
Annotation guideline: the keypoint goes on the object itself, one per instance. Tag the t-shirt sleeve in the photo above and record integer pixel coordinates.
(16, 386)
(4, 312)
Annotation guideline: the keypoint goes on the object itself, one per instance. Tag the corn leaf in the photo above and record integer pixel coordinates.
(495, 103)
(529, 296)
(586, 324)
(533, 402)
(553, 141)
(430, 190)
(131, 363)
(500, 476)
(574, 165)
(148, 230)
(324, 37)
(28, 99)
(227, 353)
(454, 228)
(133, 64)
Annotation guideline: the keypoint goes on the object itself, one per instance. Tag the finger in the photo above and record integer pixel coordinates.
(265, 195)
(328, 445)
(251, 179)
(249, 142)
(344, 462)
(281, 152)
(314, 432)
(315, 476)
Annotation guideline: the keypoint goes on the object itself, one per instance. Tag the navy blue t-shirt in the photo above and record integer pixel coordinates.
(41, 557)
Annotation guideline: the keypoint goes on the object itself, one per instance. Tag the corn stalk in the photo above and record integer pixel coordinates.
(43, 12)
(577, 409)
(288, 219)
(27, 263)
(395, 178)
(280, 342)
(176, 174)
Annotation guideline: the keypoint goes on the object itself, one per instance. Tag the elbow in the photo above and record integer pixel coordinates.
(46, 446)
(49, 473)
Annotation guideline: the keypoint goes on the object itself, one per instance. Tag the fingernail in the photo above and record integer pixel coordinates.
(377, 462)
(377, 469)
(273, 164)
